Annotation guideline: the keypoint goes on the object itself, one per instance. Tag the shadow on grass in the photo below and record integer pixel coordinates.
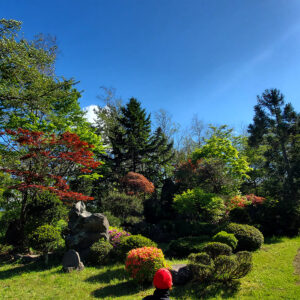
(17, 269)
(117, 290)
(108, 275)
(205, 291)
(273, 240)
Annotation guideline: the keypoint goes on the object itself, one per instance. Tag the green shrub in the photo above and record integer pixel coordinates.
(226, 238)
(200, 258)
(142, 263)
(127, 208)
(200, 206)
(132, 242)
(249, 238)
(216, 249)
(201, 265)
(228, 268)
(99, 252)
(45, 209)
(112, 220)
(6, 249)
(223, 268)
(182, 247)
(46, 238)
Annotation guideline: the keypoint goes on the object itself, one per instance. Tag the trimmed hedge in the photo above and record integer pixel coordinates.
(226, 238)
(249, 237)
(99, 252)
(216, 249)
(202, 266)
(224, 268)
(132, 242)
(182, 247)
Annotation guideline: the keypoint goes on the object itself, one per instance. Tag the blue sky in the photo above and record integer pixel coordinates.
(205, 57)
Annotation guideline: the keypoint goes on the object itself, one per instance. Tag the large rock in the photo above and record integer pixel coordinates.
(85, 229)
(181, 274)
(71, 261)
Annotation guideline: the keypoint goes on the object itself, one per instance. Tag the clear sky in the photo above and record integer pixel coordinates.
(205, 57)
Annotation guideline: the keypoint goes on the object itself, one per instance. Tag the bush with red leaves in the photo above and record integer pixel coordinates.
(135, 183)
(46, 161)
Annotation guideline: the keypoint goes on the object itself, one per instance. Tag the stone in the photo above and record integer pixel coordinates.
(85, 229)
(181, 274)
(71, 261)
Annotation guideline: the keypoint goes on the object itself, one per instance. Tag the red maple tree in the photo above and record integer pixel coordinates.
(135, 183)
(44, 162)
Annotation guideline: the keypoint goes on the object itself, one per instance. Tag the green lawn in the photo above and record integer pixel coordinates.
(272, 278)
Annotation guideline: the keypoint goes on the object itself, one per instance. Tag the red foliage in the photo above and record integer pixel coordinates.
(255, 199)
(135, 183)
(186, 171)
(48, 161)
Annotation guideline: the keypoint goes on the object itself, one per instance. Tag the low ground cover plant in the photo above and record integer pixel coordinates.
(142, 263)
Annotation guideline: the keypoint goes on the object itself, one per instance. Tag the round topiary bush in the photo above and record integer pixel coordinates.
(182, 247)
(99, 252)
(216, 249)
(226, 238)
(142, 263)
(249, 237)
(132, 242)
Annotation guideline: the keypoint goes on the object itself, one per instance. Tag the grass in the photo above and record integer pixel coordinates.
(272, 277)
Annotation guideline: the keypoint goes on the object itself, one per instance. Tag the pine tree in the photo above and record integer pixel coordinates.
(137, 128)
(131, 147)
(276, 125)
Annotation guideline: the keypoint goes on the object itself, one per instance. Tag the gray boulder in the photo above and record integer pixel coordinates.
(71, 261)
(181, 274)
(85, 229)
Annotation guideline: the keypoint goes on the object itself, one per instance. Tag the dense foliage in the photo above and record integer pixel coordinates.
(46, 238)
(249, 237)
(182, 247)
(142, 263)
(99, 252)
(226, 238)
(224, 268)
(132, 242)
(200, 206)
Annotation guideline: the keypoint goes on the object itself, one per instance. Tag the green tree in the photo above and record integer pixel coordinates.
(276, 126)
(31, 95)
(220, 164)
(130, 144)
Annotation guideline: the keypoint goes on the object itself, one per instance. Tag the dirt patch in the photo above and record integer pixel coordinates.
(297, 265)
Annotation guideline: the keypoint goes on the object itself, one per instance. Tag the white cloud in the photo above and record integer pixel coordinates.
(90, 113)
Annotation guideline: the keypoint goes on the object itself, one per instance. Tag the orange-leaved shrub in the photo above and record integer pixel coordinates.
(142, 263)
(136, 183)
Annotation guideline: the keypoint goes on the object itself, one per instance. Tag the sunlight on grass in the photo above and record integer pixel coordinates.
(271, 278)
